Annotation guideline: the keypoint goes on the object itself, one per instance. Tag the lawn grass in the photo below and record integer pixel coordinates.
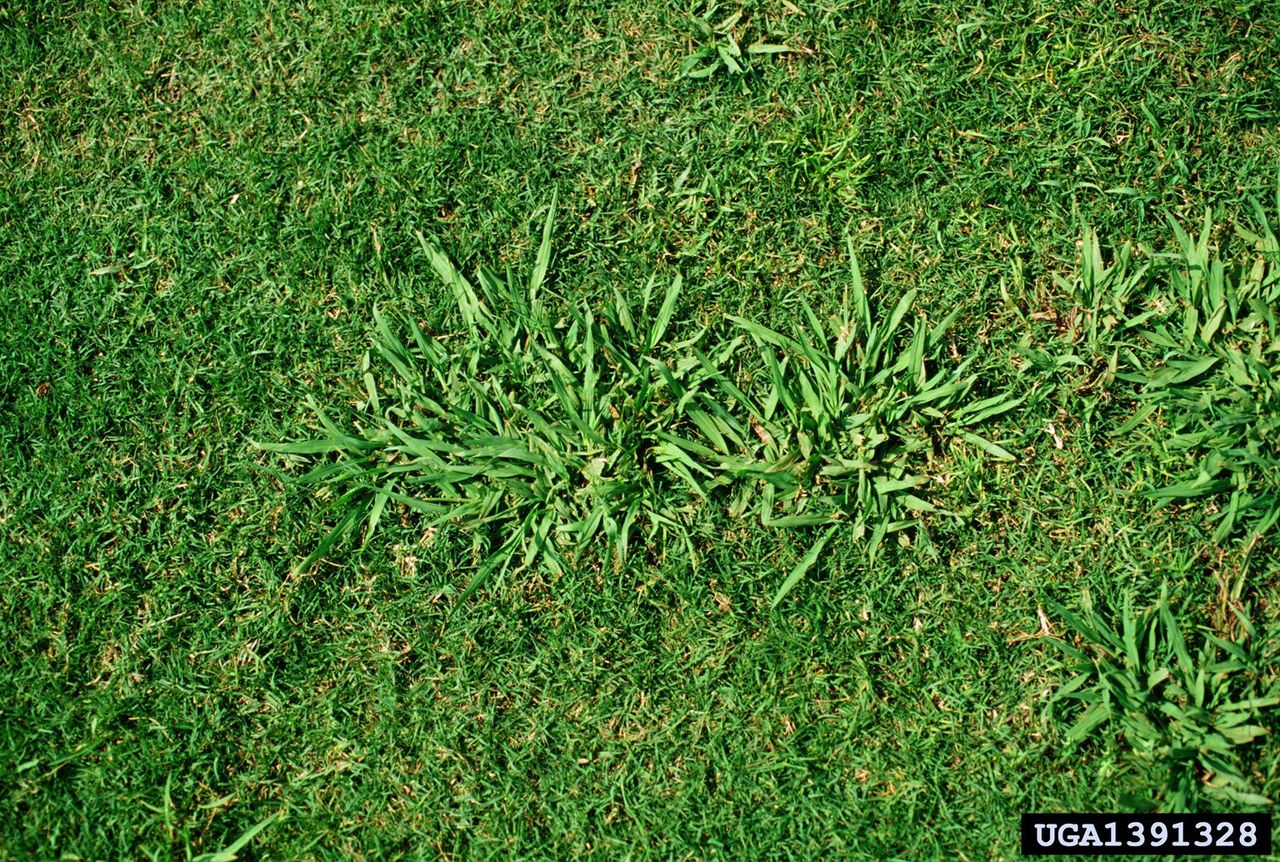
(201, 205)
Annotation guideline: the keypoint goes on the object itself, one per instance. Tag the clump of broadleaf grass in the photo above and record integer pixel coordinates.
(536, 428)
(543, 430)
(1199, 337)
(1102, 295)
(1212, 383)
(720, 49)
(832, 422)
(1188, 715)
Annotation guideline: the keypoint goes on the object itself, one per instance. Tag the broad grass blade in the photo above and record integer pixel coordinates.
(664, 313)
(543, 260)
(802, 567)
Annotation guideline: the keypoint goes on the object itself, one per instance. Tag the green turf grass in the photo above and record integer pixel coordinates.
(201, 204)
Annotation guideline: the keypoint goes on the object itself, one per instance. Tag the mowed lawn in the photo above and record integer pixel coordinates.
(201, 205)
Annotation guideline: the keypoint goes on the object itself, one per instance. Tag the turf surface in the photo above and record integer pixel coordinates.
(200, 204)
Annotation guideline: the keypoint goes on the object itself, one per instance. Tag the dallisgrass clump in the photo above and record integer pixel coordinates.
(1188, 711)
(1210, 388)
(1192, 336)
(1188, 340)
(836, 421)
(538, 427)
(719, 47)
(548, 431)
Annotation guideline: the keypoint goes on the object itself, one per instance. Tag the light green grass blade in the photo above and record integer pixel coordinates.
(231, 852)
(1186, 490)
(498, 560)
(375, 511)
(802, 567)
(1092, 718)
(987, 408)
(861, 306)
(664, 313)
(469, 305)
(993, 449)
(346, 524)
(543, 260)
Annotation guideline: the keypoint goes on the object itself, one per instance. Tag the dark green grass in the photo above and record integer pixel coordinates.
(245, 178)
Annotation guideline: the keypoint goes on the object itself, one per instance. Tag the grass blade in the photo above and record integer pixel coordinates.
(543, 261)
(802, 567)
(665, 312)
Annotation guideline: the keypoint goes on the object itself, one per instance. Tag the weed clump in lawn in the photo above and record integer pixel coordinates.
(1216, 337)
(1188, 715)
(537, 428)
(719, 47)
(832, 423)
(1196, 335)
(543, 429)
